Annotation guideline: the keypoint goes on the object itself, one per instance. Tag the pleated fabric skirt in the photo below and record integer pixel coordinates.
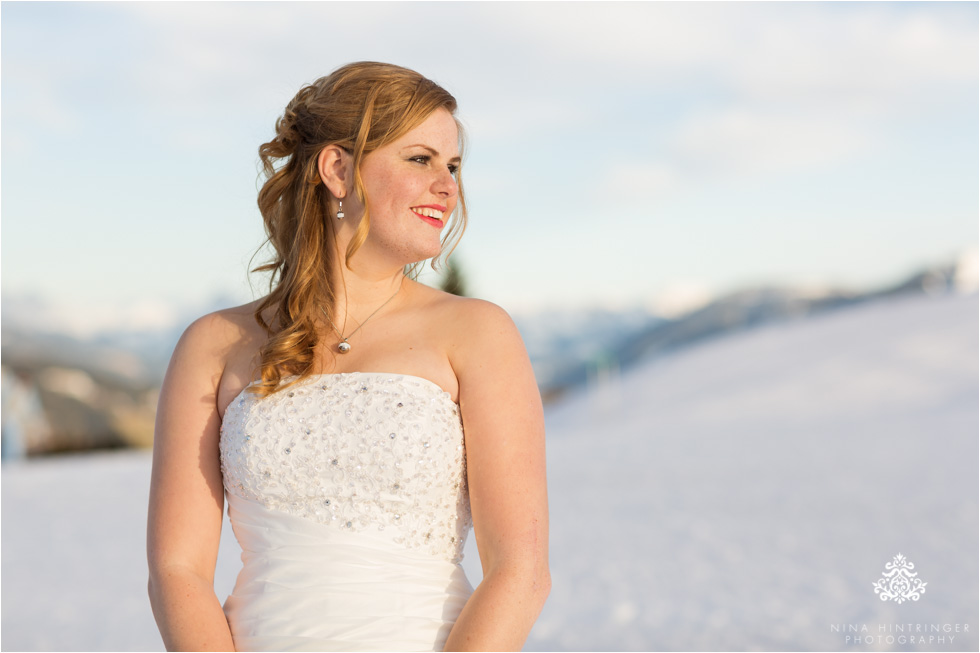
(307, 586)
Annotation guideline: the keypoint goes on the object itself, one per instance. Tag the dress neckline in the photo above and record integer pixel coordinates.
(339, 376)
(432, 384)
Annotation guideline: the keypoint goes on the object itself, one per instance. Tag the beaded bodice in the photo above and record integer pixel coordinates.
(359, 451)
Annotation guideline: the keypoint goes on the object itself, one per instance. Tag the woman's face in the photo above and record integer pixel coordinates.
(411, 188)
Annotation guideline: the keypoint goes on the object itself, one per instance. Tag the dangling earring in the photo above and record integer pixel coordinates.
(340, 210)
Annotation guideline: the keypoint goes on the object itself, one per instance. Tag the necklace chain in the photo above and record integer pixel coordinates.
(343, 347)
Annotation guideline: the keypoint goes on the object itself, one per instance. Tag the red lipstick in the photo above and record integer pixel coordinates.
(434, 221)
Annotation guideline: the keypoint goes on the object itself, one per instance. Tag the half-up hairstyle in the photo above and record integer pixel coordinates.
(359, 107)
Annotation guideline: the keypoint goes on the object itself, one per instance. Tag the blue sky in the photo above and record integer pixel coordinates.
(619, 153)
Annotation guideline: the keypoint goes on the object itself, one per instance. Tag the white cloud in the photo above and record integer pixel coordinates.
(757, 47)
(743, 141)
(569, 105)
(512, 120)
(641, 181)
(866, 62)
(736, 143)
(530, 65)
(680, 297)
(39, 105)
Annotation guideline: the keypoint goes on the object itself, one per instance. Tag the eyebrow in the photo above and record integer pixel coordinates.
(433, 152)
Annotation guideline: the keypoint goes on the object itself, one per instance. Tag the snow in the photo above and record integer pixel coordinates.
(743, 494)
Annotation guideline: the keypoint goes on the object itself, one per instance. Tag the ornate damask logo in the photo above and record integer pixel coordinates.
(899, 582)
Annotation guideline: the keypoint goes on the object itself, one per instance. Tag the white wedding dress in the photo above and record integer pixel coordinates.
(347, 493)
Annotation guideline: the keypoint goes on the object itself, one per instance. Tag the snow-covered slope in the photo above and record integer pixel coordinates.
(742, 494)
(747, 493)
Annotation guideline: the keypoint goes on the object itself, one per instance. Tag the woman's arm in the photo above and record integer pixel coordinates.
(186, 495)
(505, 457)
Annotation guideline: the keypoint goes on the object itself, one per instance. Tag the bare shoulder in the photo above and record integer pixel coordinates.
(469, 313)
(479, 324)
(469, 322)
(479, 337)
(219, 349)
(222, 330)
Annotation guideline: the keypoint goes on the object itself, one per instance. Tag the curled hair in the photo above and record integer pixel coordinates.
(359, 107)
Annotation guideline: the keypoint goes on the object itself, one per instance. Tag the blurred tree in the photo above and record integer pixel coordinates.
(453, 281)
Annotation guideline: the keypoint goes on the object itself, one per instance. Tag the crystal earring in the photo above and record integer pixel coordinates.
(340, 210)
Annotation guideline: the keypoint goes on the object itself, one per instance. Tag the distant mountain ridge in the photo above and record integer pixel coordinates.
(119, 372)
(559, 371)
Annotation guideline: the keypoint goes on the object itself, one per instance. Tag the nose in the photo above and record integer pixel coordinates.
(445, 184)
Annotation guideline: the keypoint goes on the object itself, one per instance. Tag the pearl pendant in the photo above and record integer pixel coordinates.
(343, 347)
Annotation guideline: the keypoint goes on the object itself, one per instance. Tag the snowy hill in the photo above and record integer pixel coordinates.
(745, 494)
(742, 494)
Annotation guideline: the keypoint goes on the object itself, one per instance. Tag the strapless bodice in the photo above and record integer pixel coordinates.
(348, 496)
(358, 452)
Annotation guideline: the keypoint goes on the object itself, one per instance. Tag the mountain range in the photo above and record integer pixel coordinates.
(64, 392)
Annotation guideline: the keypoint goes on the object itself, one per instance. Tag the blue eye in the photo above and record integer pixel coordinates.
(421, 158)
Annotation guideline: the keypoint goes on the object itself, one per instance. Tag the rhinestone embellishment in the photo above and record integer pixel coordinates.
(355, 451)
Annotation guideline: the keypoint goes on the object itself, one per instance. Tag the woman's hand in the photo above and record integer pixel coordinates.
(505, 457)
(186, 494)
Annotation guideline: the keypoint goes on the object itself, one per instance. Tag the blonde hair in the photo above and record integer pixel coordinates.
(359, 107)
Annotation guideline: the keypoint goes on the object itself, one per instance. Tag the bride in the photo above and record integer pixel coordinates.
(357, 421)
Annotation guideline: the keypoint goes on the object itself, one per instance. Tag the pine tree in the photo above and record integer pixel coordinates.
(453, 281)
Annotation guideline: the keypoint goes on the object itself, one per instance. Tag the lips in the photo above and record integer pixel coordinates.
(430, 213)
